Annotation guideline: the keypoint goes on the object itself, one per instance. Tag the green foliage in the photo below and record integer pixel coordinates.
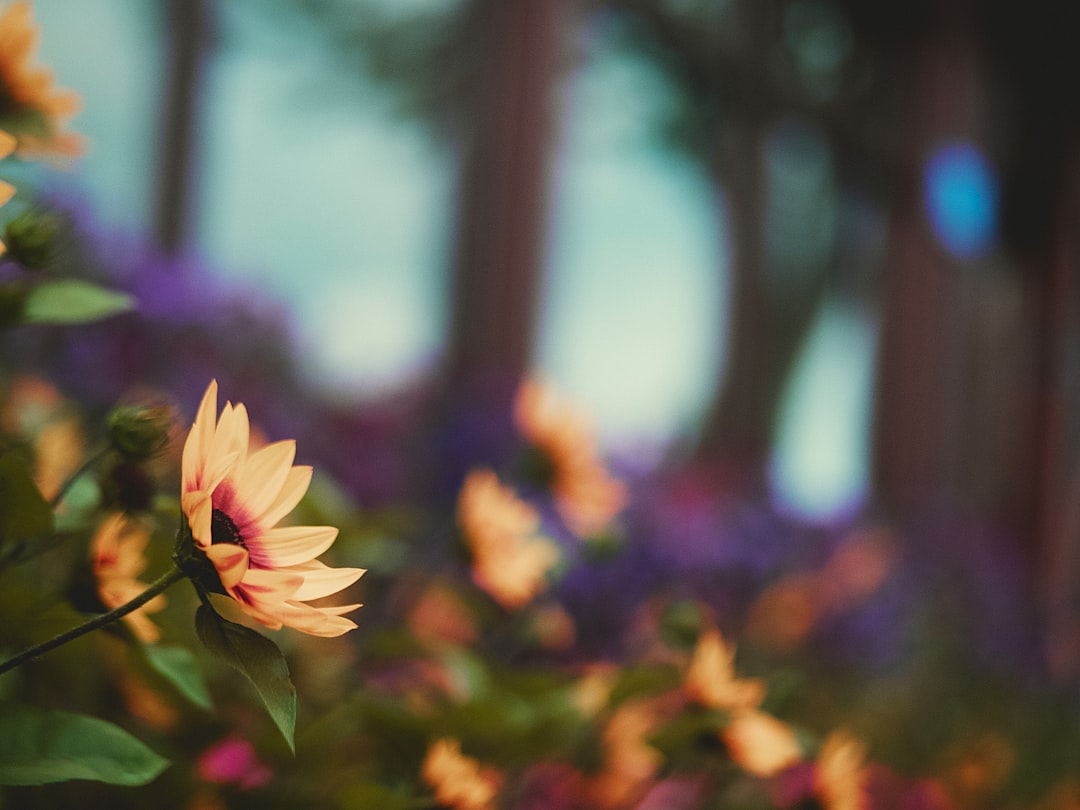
(71, 301)
(373, 796)
(180, 668)
(45, 745)
(692, 736)
(258, 658)
(24, 513)
(642, 681)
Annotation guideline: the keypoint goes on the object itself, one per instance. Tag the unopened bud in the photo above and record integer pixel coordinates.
(31, 238)
(138, 432)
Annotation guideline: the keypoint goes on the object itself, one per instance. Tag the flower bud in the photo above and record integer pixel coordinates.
(138, 432)
(31, 238)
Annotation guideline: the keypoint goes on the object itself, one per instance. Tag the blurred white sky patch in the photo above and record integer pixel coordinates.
(109, 52)
(340, 209)
(631, 319)
(364, 336)
(820, 465)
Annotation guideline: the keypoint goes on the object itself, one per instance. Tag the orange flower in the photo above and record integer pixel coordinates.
(510, 561)
(233, 499)
(36, 411)
(439, 616)
(458, 781)
(31, 105)
(839, 774)
(710, 678)
(7, 191)
(760, 744)
(117, 556)
(630, 763)
(586, 495)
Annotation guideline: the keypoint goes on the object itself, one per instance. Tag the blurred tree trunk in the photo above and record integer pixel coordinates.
(1052, 490)
(186, 22)
(501, 227)
(768, 316)
(919, 396)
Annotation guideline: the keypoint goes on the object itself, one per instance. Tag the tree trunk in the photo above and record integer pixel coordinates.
(767, 317)
(187, 26)
(501, 230)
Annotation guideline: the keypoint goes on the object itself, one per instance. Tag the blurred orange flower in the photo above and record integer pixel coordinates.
(34, 409)
(7, 191)
(439, 616)
(786, 612)
(234, 499)
(510, 561)
(760, 743)
(586, 495)
(31, 106)
(839, 773)
(710, 679)
(630, 763)
(459, 782)
(117, 555)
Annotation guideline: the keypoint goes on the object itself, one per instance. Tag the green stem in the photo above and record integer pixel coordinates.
(170, 577)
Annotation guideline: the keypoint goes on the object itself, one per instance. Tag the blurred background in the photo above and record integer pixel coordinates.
(822, 250)
(809, 265)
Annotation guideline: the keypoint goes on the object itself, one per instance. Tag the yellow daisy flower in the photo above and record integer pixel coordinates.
(117, 555)
(510, 561)
(29, 102)
(459, 782)
(234, 499)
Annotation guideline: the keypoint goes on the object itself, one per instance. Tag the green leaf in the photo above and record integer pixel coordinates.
(23, 511)
(45, 745)
(70, 301)
(180, 668)
(258, 658)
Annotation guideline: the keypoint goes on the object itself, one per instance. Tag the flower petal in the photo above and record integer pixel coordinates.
(197, 446)
(260, 583)
(322, 580)
(315, 621)
(264, 475)
(296, 484)
(228, 447)
(289, 545)
(231, 562)
(200, 514)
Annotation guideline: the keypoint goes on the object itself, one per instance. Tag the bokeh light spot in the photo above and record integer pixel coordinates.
(961, 199)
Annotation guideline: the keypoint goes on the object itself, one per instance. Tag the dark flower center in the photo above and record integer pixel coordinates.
(223, 529)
